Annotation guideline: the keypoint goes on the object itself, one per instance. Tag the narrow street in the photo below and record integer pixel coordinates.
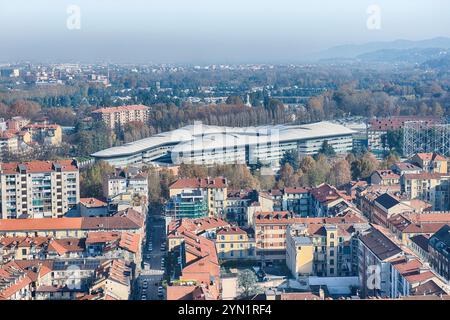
(150, 279)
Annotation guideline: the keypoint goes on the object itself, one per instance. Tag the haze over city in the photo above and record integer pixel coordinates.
(204, 31)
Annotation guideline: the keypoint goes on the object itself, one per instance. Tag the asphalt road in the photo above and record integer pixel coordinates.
(153, 276)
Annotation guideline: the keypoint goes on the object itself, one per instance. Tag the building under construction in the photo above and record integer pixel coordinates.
(422, 136)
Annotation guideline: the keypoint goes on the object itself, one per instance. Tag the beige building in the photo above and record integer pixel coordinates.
(119, 116)
(38, 189)
(324, 249)
(430, 187)
(431, 162)
(8, 142)
(46, 134)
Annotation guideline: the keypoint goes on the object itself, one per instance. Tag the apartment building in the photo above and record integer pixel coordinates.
(376, 251)
(430, 187)
(385, 178)
(215, 190)
(297, 200)
(235, 243)
(271, 230)
(38, 189)
(238, 202)
(45, 134)
(327, 201)
(119, 116)
(431, 162)
(321, 249)
(131, 181)
(9, 142)
(128, 220)
(439, 252)
(198, 270)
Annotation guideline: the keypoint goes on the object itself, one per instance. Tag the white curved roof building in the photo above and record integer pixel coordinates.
(203, 144)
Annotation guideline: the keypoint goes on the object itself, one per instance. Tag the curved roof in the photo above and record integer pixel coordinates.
(205, 136)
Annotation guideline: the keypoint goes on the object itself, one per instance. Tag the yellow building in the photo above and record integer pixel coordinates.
(431, 162)
(48, 134)
(235, 243)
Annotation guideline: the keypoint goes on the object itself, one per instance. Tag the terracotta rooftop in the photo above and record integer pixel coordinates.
(38, 166)
(92, 203)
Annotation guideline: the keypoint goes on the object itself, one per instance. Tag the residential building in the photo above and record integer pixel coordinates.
(38, 189)
(430, 187)
(327, 201)
(235, 243)
(385, 178)
(376, 252)
(128, 180)
(431, 162)
(92, 207)
(439, 252)
(187, 204)
(213, 189)
(323, 249)
(127, 220)
(45, 134)
(298, 201)
(119, 116)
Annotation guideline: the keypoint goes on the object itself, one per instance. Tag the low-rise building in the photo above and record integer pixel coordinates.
(235, 243)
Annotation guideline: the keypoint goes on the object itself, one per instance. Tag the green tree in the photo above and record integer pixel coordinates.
(327, 149)
(290, 157)
(91, 179)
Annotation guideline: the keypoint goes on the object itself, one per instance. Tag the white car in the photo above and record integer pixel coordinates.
(160, 289)
(143, 297)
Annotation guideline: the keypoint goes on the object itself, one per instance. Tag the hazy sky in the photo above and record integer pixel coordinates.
(203, 31)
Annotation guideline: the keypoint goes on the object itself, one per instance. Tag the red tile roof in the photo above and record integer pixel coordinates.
(38, 166)
(92, 203)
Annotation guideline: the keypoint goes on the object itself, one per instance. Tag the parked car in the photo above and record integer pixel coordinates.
(144, 297)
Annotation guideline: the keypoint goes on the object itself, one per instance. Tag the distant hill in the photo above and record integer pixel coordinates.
(442, 63)
(352, 51)
(415, 55)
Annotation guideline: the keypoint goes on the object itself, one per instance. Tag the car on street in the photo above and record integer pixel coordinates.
(144, 297)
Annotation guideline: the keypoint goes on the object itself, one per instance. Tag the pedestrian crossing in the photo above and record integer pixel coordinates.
(152, 272)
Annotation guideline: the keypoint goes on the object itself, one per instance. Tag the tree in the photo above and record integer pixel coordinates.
(340, 173)
(327, 149)
(290, 157)
(247, 283)
(288, 177)
(25, 108)
(91, 180)
(394, 140)
(192, 171)
(363, 167)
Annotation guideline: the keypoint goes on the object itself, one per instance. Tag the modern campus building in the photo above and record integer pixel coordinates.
(202, 144)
